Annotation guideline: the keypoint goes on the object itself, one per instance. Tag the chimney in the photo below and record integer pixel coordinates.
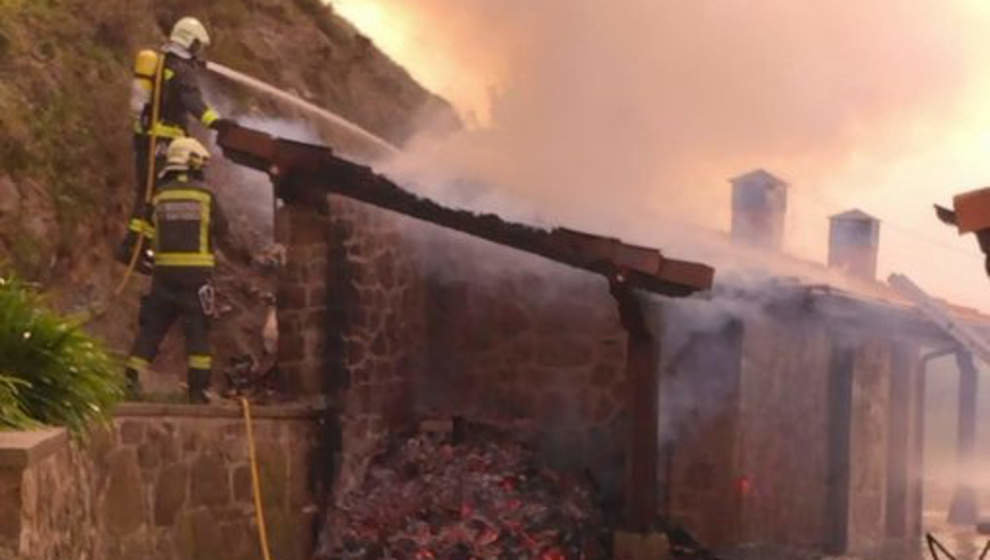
(853, 239)
(759, 204)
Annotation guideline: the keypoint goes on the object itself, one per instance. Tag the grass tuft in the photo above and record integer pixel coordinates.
(52, 372)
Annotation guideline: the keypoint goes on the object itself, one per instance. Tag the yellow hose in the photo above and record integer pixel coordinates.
(150, 179)
(256, 482)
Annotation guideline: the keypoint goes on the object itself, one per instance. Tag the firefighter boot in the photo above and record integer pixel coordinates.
(199, 384)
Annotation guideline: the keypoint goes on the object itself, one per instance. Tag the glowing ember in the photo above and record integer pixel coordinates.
(486, 498)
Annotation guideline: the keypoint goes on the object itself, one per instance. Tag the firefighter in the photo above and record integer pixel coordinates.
(164, 93)
(186, 221)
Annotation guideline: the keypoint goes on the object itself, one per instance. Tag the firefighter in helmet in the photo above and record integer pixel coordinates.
(185, 222)
(164, 93)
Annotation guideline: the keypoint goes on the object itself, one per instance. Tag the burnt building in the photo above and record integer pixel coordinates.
(793, 399)
(788, 398)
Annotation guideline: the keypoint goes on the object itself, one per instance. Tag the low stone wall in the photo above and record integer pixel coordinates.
(45, 493)
(166, 482)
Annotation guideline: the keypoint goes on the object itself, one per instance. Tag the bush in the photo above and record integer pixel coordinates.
(51, 372)
(12, 413)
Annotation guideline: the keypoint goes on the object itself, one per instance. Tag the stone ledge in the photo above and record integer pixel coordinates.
(286, 411)
(21, 449)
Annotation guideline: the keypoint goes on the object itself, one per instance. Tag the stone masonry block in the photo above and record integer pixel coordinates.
(316, 319)
(310, 377)
(10, 511)
(170, 493)
(291, 348)
(131, 432)
(289, 322)
(317, 295)
(124, 506)
(209, 480)
(198, 536)
(242, 484)
(291, 296)
(273, 474)
(308, 234)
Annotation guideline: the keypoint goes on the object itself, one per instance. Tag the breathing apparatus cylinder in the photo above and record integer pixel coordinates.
(143, 84)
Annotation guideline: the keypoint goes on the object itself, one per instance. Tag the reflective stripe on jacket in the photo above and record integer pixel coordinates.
(185, 215)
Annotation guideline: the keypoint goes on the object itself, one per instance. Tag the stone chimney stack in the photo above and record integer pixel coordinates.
(853, 240)
(759, 205)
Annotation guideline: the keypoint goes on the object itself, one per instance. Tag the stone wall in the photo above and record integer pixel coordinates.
(700, 383)
(776, 429)
(431, 323)
(529, 345)
(169, 483)
(375, 330)
(743, 407)
(302, 300)
(868, 453)
(783, 442)
(45, 489)
(424, 322)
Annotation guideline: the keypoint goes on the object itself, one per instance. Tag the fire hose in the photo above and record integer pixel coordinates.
(255, 482)
(150, 178)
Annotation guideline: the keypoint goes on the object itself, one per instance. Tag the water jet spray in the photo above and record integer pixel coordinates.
(333, 119)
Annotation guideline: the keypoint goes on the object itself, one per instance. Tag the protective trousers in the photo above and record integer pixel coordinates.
(167, 302)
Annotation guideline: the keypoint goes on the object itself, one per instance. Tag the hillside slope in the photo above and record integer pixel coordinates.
(65, 147)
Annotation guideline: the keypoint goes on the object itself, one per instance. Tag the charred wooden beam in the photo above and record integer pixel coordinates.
(306, 173)
(642, 354)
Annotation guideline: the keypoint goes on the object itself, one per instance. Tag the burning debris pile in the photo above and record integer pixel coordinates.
(429, 497)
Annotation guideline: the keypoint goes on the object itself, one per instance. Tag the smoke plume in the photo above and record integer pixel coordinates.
(617, 117)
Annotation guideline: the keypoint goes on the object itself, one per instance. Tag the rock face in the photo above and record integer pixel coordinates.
(66, 183)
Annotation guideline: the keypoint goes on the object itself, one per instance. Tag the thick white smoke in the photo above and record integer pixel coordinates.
(620, 117)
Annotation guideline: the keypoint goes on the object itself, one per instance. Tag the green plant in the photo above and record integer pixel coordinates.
(12, 413)
(54, 373)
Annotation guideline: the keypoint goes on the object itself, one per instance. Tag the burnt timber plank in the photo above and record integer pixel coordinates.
(305, 173)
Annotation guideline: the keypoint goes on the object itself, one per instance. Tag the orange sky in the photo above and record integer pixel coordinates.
(640, 112)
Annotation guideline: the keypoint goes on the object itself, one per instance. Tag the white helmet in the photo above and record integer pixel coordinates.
(190, 34)
(185, 154)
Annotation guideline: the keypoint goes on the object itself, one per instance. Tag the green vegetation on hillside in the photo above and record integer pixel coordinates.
(51, 372)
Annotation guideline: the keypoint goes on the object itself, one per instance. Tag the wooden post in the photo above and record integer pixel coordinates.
(642, 486)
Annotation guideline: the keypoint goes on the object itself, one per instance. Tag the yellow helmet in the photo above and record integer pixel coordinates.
(189, 33)
(186, 154)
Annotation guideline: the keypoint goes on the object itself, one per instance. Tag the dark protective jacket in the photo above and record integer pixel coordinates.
(186, 220)
(180, 97)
